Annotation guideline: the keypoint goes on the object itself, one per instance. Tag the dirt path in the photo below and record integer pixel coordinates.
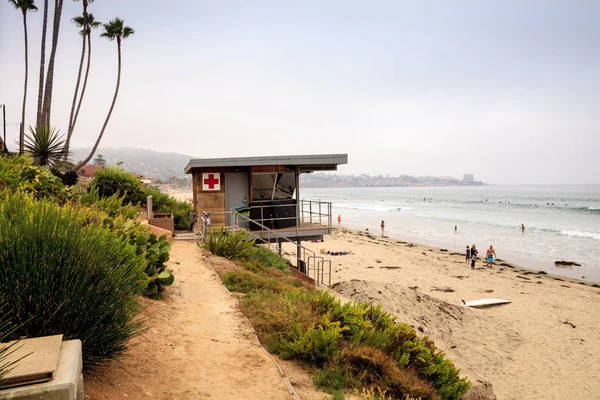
(199, 345)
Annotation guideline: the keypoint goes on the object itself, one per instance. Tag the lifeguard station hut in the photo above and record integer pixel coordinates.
(262, 195)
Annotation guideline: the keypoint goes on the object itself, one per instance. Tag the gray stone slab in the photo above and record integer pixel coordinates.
(66, 385)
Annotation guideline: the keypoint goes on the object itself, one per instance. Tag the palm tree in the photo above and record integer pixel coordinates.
(87, 23)
(49, 84)
(24, 6)
(42, 65)
(45, 145)
(112, 30)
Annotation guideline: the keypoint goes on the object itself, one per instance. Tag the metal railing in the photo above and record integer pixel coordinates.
(307, 261)
(277, 216)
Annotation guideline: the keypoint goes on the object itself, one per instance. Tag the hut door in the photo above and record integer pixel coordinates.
(236, 192)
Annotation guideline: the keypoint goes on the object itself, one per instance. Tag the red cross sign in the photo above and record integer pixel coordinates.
(211, 181)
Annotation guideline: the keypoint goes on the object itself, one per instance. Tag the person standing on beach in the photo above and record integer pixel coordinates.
(522, 228)
(455, 228)
(490, 254)
(382, 227)
(467, 255)
(339, 219)
(473, 256)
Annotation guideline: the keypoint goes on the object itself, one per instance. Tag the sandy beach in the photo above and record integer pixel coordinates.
(543, 345)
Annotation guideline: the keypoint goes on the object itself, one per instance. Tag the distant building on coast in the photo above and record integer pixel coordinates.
(88, 171)
(468, 178)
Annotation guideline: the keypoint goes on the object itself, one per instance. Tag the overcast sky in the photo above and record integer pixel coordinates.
(506, 90)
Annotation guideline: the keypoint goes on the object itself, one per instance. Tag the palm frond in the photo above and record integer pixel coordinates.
(127, 31)
(24, 5)
(115, 29)
(87, 22)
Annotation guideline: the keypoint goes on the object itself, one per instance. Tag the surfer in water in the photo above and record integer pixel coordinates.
(490, 254)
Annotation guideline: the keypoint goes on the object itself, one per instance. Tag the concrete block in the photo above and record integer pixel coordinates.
(66, 385)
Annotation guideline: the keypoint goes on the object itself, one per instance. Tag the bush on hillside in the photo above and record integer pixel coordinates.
(156, 253)
(229, 244)
(113, 180)
(355, 344)
(113, 206)
(62, 275)
(111, 213)
(269, 259)
(162, 202)
(181, 212)
(68, 178)
(18, 173)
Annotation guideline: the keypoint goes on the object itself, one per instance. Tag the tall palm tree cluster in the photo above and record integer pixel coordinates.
(46, 145)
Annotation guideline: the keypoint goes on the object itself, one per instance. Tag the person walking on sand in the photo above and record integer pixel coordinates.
(490, 254)
(522, 228)
(382, 227)
(339, 219)
(473, 256)
(467, 255)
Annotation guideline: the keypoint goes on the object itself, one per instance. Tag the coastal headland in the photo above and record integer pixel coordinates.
(543, 345)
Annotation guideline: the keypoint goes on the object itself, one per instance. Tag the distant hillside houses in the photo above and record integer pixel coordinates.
(364, 180)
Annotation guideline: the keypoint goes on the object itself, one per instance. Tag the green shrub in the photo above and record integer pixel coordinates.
(114, 205)
(159, 199)
(352, 341)
(162, 202)
(246, 281)
(229, 244)
(18, 173)
(68, 178)
(62, 275)
(316, 344)
(331, 379)
(181, 212)
(269, 259)
(113, 180)
(156, 253)
(371, 367)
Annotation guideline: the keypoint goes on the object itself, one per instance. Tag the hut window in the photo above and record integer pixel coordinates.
(273, 186)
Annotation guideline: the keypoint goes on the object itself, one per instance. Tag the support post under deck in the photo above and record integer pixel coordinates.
(301, 265)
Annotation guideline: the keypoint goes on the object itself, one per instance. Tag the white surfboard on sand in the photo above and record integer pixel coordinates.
(484, 302)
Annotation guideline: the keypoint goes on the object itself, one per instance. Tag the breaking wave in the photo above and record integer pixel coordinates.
(591, 235)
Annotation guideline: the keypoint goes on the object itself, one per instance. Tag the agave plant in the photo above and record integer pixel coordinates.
(45, 144)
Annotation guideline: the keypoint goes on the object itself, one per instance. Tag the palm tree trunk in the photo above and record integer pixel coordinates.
(85, 79)
(42, 66)
(75, 114)
(112, 106)
(25, 88)
(71, 116)
(47, 106)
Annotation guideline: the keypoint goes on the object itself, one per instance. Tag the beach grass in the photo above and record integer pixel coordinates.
(347, 347)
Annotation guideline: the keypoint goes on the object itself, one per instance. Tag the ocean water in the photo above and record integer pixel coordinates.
(562, 222)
